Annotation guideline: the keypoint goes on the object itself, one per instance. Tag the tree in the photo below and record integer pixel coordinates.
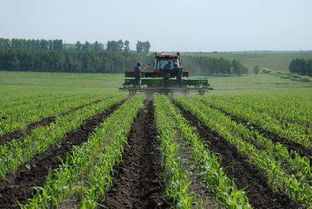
(127, 46)
(143, 46)
(115, 46)
(120, 46)
(256, 69)
(97, 46)
(146, 47)
(86, 46)
(44, 44)
(78, 45)
(297, 66)
(57, 44)
(139, 46)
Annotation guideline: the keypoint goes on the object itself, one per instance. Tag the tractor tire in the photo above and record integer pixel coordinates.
(201, 92)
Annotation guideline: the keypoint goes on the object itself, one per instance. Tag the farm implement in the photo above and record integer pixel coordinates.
(167, 77)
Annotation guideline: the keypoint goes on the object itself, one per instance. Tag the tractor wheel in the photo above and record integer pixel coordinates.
(132, 92)
(201, 92)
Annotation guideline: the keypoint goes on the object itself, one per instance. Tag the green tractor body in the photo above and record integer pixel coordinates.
(167, 77)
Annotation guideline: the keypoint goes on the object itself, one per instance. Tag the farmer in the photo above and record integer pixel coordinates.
(178, 72)
(137, 75)
(167, 66)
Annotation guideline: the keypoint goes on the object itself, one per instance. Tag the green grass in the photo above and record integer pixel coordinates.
(273, 61)
(81, 80)
(43, 83)
(258, 81)
(24, 83)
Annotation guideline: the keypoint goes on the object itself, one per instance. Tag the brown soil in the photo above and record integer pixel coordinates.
(204, 197)
(32, 126)
(237, 167)
(18, 187)
(291, 145)
(138, 179)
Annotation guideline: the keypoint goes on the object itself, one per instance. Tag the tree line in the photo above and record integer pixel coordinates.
(116, 57)
(301, 66)
(36, 44)
(205, 65)
(31, 44)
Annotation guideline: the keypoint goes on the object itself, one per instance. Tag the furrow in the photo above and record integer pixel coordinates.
(19, 186)
(138, 179)
(291, 145)
(43, 122)
(244, 174)
(203, 197)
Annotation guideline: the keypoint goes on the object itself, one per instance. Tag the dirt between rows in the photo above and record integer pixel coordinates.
(291, 145)
(18, 187)
(239, 169)
(32, 126)
(138, 179)
(204, 198)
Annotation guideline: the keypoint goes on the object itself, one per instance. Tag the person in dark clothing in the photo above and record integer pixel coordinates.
(167, 66)
(137, 75)
(178, 72)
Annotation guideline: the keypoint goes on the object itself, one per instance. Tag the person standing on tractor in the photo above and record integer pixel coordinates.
(137, 75)
(167, 66)
(178, 72)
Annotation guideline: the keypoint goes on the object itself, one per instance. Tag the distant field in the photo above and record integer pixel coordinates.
(273, 61)
(101, 82)
(69, 80)
(260, 81)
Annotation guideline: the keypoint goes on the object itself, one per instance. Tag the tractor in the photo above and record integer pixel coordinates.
(166, 77)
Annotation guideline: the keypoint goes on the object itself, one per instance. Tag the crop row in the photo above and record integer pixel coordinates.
(278, 178)
(16, 97)
(289, 116)
(9, 103)
(86, 174)
(173, 126)
(18, 119)
(19, 151)
(296, 164)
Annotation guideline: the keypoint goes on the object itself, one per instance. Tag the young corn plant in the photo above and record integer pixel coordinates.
(86, 174)
(208, 163)
(13, 154)
(176, 177)
(278, 178)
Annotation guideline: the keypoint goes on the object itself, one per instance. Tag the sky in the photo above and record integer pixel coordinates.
(181, 25)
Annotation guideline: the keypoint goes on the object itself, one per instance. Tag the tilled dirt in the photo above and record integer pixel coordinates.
(204, 198)
(32, 126)
(291, 145)
(238, 168)
(138, 179)
(18, 187)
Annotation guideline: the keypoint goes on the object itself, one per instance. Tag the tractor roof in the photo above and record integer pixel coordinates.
(166, 55)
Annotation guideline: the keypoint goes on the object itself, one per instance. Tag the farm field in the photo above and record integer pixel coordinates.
(276, 61)
(101, 82)
(74, 141)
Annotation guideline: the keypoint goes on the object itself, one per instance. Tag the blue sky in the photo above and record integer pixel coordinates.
(181, 25)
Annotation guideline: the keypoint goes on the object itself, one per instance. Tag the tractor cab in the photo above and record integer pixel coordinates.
(166, 62)
(166, 77)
